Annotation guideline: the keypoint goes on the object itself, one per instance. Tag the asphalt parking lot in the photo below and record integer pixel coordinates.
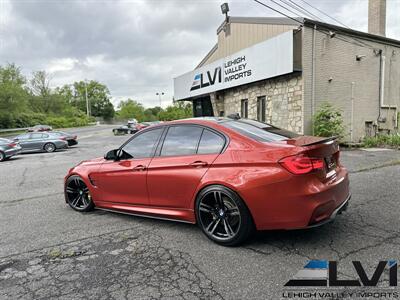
(49, 251)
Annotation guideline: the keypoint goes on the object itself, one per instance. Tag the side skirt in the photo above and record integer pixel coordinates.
(177, 215)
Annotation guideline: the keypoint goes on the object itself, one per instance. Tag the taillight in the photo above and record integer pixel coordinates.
(12, 145)
(301, 164)
(63, 138)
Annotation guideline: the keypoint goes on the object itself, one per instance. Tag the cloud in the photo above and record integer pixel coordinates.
(135, 47)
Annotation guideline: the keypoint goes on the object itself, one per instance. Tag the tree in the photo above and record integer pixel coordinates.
(42, 98)
(130, 109)
(179, 110)
(40, 84)
(151, 114)
(98, 96)
(13, 96)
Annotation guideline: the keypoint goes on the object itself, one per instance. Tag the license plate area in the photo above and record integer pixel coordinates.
(330, 163)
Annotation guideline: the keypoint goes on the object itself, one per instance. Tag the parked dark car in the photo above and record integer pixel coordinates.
(124, 129)
(40, 128)
(8, 149)
(72, 139)
(38, 141)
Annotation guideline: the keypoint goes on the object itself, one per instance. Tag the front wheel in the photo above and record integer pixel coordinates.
(77, 194)
(223, 216)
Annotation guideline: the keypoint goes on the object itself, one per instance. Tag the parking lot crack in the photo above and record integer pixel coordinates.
(374, 167)
(23, 177)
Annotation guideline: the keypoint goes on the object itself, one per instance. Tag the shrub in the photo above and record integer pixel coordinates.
(328, 121)
(384, 140)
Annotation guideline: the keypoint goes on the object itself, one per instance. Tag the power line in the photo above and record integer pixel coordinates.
(337, 21)
(317, 9)
(286, 8)
(301, 9)
(360, 44)
(279, 12)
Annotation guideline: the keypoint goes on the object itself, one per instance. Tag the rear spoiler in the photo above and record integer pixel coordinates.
(323, 141)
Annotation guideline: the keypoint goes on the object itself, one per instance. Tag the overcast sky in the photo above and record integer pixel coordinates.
(135, 47)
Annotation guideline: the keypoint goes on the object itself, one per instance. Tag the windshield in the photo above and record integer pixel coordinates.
(258, 131)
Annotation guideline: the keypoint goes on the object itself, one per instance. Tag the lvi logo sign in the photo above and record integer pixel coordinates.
(323, 273)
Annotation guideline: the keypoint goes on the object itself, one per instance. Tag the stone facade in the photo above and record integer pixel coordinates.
(284, 101)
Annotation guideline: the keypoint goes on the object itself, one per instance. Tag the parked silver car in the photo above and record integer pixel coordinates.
(8, 148)
(41, 141)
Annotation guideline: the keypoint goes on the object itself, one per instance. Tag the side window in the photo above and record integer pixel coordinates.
(36, 136)
(210, 143)
(45, 136)
(142, 146)
(181, 140)
(23, 136)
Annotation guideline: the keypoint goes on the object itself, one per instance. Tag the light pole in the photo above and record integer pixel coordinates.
(87, 100)
(159, 94)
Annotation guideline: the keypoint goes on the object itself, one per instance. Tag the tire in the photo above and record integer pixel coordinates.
(2, 156)
(78, 195)
(227, 224)
(49, 147)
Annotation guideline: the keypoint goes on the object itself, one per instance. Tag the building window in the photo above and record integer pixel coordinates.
(261, 108)
(244, 113)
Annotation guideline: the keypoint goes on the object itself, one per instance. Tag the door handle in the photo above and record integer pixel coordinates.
(139, 168)
(199, 163)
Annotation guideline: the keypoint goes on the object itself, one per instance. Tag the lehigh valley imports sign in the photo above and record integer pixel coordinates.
(267, 59)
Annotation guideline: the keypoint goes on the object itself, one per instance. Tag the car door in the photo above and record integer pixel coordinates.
(24, 141)
(36, 141)
(124, 180)
(180, 162)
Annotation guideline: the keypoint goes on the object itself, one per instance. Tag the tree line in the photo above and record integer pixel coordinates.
(26, 102)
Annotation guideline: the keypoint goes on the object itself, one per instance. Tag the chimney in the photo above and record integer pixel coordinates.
(377, 17)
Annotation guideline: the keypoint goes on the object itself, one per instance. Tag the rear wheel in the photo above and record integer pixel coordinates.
(49, 147)
(2, 156)
(78, 195)
(223, 216)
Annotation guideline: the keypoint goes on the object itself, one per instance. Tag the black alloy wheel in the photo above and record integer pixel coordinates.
(223, 216)
(77, 194)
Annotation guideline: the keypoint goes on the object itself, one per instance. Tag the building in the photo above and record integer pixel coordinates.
(281, 70)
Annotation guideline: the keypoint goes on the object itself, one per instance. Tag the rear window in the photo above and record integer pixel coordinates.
(210, 143)
(259, 131)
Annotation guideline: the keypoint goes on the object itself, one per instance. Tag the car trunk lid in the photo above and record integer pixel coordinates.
(323, 148)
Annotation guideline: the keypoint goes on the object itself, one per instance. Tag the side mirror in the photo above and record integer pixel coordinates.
(112, 154)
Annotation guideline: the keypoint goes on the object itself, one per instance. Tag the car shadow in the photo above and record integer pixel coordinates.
(278, 238)
(295, 238)
(42, 152)
(15, 157)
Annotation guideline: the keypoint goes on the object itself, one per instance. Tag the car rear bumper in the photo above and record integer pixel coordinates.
(61, 145)
(72, 142)
(339, 210)
(299, 202)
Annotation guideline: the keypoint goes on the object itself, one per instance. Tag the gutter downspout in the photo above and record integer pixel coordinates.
(381, 83)
(352, 112)
(313, 79)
